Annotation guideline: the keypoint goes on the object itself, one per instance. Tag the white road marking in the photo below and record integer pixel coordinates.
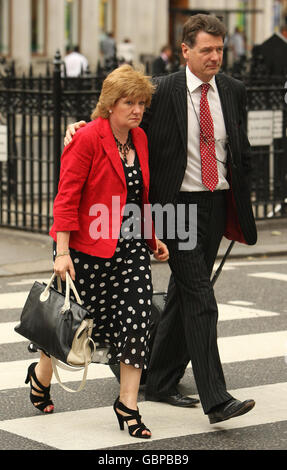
(24, 282)
(275, 276)
(240, 302)
(13, 300)
(237, 312)
(231, 348)
(97, 428)
(226, 312)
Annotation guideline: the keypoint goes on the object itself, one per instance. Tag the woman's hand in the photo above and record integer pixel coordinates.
(71, 130)
(63, 264)
(161, 253)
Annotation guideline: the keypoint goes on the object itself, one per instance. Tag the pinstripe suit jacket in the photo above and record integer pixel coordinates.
(165, 123)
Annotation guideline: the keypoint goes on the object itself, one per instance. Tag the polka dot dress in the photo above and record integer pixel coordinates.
(118, 291)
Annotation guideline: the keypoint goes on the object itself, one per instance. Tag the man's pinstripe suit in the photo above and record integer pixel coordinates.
(188, 326)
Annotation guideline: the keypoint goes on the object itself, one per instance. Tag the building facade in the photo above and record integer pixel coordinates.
(32, 30)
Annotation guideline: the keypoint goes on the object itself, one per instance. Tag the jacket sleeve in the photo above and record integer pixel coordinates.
(147, 117)
(245, 144)
(76, 162)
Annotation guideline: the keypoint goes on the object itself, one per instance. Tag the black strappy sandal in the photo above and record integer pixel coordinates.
(135, 430)
(43, 400)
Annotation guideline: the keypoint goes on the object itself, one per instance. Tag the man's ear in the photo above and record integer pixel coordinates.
(185, 50)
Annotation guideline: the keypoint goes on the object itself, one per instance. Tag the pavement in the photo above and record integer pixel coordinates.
(24, 252)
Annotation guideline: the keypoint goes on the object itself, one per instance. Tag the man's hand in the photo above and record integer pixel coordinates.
(161, 253)
(71, 130)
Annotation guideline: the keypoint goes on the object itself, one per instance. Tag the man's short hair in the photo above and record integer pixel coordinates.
(200, 22)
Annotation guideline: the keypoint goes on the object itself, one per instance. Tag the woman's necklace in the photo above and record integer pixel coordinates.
(125, 148)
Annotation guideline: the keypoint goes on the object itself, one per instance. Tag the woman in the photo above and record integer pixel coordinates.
(104, 173)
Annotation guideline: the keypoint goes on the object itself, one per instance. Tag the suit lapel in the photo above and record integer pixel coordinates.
(227, 104)
(179, 98)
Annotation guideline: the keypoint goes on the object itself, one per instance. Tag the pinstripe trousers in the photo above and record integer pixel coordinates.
(188, 326)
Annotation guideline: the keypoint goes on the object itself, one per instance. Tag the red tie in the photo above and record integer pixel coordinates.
(209, 172)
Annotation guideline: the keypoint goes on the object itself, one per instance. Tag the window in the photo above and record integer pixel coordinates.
(72, 22)
(107, 10)
(38, 26)
(4, 27)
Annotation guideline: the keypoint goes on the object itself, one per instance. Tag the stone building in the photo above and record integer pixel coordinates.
(32, 30)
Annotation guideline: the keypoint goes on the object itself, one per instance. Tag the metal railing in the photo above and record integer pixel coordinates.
(34, 114)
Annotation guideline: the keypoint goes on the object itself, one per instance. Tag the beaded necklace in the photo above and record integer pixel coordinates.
(125, 148)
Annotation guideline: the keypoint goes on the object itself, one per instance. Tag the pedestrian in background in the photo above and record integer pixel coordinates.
(161, 64)
(238, 47)
(75, 63)
(126, 52)
(108, 47)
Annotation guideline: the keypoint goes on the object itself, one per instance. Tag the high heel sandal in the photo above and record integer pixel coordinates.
(135, 430)
(43, 400)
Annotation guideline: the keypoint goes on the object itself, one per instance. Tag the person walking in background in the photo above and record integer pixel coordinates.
(108, 47)
(199, 155)
(238, 47)
(108, 260)
(126, 52)
(162, 62)
(75, 63)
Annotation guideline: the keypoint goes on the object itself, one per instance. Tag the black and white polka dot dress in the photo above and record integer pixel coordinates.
(118, 291)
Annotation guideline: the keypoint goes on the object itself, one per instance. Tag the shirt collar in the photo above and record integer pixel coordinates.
(193, 82)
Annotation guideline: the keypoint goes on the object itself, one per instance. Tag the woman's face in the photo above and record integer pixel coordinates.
(127, 113)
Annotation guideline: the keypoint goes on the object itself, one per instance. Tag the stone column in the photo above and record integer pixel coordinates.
(89, 30)
(55, 28)
(21, 34)
(145, 23)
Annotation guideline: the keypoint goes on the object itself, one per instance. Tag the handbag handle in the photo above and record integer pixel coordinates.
(43, 297)
(56, 363)
(69, 284)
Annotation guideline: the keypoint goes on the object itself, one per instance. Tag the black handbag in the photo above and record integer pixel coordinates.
(59, 326)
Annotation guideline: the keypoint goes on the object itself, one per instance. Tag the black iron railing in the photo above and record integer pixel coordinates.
(35, 111)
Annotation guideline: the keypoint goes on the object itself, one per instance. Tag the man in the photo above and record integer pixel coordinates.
(237, 43)
(199, 154)
(161, 63)
(75, 63)
(126, 52)
(108, 47)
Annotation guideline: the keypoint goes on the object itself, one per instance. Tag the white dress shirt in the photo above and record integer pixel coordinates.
(192, 178)
(74, 63)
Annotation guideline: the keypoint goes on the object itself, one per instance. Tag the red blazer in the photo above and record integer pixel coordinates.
(91, 174)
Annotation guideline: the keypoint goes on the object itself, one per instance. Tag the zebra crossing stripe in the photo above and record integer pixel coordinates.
(231, 348)
(13, 300)
(97, 428)
(269, 275)
(226, 313)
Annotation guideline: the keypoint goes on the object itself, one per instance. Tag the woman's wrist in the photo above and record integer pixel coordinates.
(62, 253)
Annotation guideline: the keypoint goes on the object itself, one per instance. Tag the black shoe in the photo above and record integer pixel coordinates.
(176, 400)
(135, 430)
(230, 409)
(41, 402)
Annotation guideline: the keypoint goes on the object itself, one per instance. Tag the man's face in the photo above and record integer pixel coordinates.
(205, 58)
